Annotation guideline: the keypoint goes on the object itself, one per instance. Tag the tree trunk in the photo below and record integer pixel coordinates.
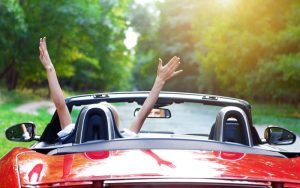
(10, 75)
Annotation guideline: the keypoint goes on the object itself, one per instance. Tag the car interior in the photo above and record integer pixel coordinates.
(97, 122)
(192, 122)
(233, 132)
(94, 122)
(92, 125)
(231, 126)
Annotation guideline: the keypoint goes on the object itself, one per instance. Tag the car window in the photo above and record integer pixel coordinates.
(75, 112)
(186, 118)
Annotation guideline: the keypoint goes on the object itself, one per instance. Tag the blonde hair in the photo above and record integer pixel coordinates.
(115, 112)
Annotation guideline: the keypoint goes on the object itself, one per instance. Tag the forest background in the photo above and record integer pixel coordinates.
(236, 48)
(246, 49)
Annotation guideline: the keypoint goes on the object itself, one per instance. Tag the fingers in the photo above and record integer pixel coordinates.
(173, 63)
(41, 51)
(177, 72)
(159, 63)
(41, 47)
(173, 66)
(43, 44)
(165, 72)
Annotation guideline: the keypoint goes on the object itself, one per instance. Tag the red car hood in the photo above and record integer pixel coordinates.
(39, 169)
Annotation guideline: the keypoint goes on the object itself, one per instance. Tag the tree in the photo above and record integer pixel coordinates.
(247, 49)
(250, 50)
(85, 40)
(144, 21)
(165, 30)
(13, 30)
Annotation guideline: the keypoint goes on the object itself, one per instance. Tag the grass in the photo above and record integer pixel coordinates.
(283, 115)
(8, 102)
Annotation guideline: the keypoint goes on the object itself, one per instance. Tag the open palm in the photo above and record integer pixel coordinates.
(44, 56)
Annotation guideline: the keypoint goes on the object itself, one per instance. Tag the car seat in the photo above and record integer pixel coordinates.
(232, 132)
(231, 126)
(94, 123)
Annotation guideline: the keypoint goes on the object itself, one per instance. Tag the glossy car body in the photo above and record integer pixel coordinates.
(158, 158)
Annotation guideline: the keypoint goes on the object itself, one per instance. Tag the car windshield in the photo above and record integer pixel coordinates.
(185, 119)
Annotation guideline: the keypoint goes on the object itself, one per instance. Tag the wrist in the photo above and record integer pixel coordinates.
(49, 67)
(160, 81)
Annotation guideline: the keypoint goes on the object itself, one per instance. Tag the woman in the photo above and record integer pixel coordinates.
(164, 73)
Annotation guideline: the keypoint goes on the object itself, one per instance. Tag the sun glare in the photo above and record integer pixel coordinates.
(226, 3)
(143, 2)
(131, 38)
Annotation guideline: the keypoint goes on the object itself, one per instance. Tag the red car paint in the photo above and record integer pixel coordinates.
(36, 169)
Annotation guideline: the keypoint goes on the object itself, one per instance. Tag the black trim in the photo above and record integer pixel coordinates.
(49, 134)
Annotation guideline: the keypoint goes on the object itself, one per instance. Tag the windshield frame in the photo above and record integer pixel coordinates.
(49, 135)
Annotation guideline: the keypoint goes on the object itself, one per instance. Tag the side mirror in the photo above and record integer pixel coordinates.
(279, 136)
(23, 132)
(156, 113)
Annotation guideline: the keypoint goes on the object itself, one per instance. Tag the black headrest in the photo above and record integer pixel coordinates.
(232, 132)
(93, 123)
(231, 126)
(95, 126)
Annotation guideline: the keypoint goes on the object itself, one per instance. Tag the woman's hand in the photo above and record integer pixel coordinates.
(54, 87)
(44, 56)
(165, 72)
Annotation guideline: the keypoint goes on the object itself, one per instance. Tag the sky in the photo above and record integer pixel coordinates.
(131, 37)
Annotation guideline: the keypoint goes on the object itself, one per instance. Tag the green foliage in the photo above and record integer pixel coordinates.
(279, 75)
(145, 22)
(165, 31)
(13, 29)
(85, 41)
(12, 24)
(247, 49)
(251, 51)
(9, 101)
(239, 48)
(281, 115)
(176, 38)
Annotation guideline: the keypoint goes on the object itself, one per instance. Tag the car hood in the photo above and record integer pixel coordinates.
(51, 170)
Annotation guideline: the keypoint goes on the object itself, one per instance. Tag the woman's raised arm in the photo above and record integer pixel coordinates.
(164, 73)
(54, 87)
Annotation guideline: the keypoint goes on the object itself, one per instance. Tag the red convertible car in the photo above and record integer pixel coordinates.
(188, 140)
